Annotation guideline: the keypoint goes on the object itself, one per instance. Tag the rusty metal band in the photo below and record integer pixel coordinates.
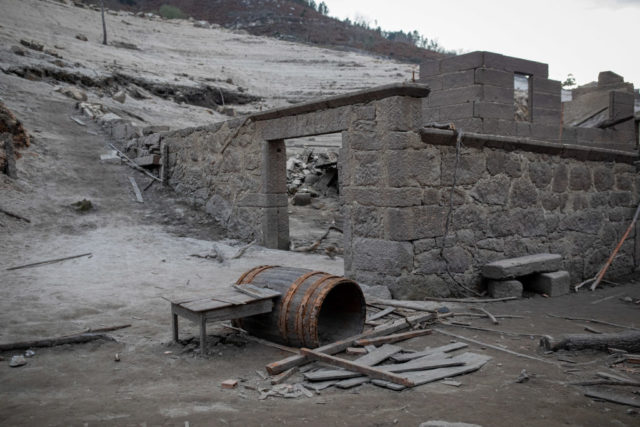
(302, 308)
(313, 327)
(286, 300)
(250, 275)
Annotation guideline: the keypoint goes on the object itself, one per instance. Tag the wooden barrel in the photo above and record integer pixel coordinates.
(315, 308)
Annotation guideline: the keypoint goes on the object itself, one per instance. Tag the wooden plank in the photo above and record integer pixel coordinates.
(204, 304)
(367, 370)
(280, 378)
(239, 311)
(376, 356)
(150, 160)
(423, 364)
(352, 382)
(357, 351)
(380, 314)
(338, 346)
(136, 190)
(612, 397)
(393, 338)
(389, 385)
(404, 357)
(472, 361)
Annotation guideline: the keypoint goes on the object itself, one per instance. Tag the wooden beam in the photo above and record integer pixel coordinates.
(338, 346)
(136, 189)
(393, 338)
(352, 366)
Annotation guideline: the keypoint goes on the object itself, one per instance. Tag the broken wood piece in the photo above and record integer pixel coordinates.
(608, 298)
(593, 331)
(377, 355)
(315, 244)
(136, 190)
(604, 269)
(471, 300)
(338, 346)
(627, 340)
(482, 344)
(496, 331)
(146, 187)
(134, 165)
(601, 322)
(352, 382)
(357, 351)
(632, 358)
(14, 215)
(280, 378)
(489, 315)
(380, 314)
(393, 338)
(612, 397)
(78, 121)
(150, 160)
(363, 369)
(497, 316)
(52, 342)
(404, 357)
(51, 261)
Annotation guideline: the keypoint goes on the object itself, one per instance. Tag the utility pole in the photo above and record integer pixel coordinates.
(104, 25)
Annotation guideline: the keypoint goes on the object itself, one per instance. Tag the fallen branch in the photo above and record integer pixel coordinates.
(477, 328)
(15, 215)
(489, 315)
(243, 249)
(51, 261)
(480, 343)
(605, 267)
(52, 342)
(627, 340)
(601, 322)
(134, 165)
(315, 244)
(470, 300)
(497, 316)
(611, 397)
(608, 298)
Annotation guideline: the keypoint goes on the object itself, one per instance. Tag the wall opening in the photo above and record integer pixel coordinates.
(314, 193)
(522, 97)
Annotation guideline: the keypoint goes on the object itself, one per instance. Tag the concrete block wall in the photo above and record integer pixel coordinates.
(475, 91)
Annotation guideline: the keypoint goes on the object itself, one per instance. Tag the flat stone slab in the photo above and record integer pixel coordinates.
(515, 267)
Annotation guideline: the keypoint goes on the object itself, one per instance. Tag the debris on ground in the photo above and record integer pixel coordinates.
(229, 383)
(312, 174)
(83, 205)
(17, 361)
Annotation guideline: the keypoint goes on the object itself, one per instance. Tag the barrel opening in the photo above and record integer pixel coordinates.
(342, 314)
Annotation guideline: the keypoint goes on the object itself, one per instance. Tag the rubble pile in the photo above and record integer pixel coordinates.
(313, 173)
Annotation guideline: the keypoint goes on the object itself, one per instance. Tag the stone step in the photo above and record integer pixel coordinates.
(505, 288)
(515, 267)
(553, 284)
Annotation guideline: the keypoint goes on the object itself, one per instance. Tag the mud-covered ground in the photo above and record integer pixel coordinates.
(142, 253)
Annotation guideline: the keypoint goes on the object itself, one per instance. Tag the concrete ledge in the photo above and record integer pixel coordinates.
(522, 266)
(447, 137)
(413, 90)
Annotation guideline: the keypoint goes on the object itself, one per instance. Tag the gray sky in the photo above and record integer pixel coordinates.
(582, 37)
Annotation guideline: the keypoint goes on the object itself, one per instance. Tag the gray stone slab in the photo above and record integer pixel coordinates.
(553, 284)
(505, 288)
(514, 267)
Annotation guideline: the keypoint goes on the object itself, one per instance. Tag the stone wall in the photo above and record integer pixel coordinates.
(511, 198)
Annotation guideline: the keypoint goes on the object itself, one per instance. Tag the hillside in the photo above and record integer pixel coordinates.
(284, 19)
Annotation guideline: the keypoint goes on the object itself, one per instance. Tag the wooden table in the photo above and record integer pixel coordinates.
(227, 304)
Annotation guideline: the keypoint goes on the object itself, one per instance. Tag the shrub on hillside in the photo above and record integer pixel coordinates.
(171, 12)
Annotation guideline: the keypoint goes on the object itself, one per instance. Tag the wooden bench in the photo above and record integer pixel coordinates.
(231, 303)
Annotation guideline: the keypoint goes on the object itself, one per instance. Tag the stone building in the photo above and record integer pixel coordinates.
(425, 207)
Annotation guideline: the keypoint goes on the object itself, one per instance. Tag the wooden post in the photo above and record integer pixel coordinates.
(104, 24)
(203, 335)
(174, 326)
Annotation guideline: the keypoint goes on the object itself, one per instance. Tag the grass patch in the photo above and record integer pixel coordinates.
(171, 12)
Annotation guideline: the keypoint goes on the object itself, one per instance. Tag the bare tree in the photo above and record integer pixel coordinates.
(104, 25)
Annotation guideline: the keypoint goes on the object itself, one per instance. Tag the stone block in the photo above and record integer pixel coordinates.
(516, 267)
(429, 68)
(515, 65)
(366, 169)
(545, 132)
(580, 177)
(430, 114)
(366, 222)
(435, 83)
(499, 78)
(383, 256)
(301, 199)
(470, 168)
(560, 178)
(399, 113)
(491, 191)
(413, 223)
(458, 79)
(148, 161)
(468, 124)
(540, 173)
(502, 95)
(541, 85)
(458, 95)
(499, 127)
(275, 228)
(401, 140)
(508, 163)
(504, 288)
(274, 159)
(388, 197)
(552, 284)
(546, 100)
(448, 113)
(409, 168)
(523, 194)
(546, 116)
(493, 110)
(361, 141)
(462, 62)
